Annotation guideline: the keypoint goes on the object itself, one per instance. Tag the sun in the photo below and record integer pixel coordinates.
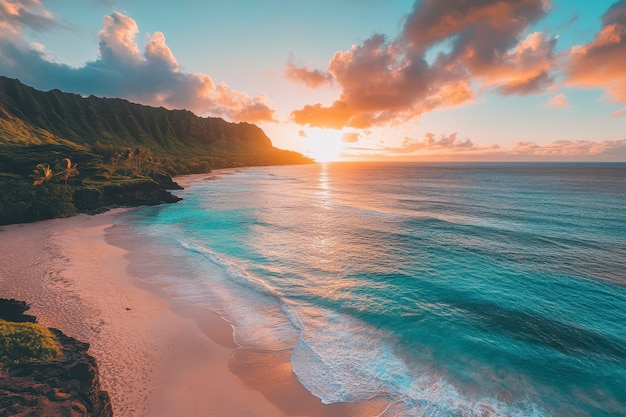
(324, 145)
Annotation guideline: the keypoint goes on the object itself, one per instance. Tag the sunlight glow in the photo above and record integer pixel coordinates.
(323, 145)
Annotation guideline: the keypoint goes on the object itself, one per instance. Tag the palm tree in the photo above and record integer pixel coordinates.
(41, 174)
(127, 154)
(66, 170)
(143, 158)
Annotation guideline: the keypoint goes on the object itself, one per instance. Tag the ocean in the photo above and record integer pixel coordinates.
(448, 289)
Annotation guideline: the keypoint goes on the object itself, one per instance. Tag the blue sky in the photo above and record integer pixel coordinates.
(351, 79)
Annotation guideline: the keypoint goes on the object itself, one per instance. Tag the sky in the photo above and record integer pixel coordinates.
(425, 80)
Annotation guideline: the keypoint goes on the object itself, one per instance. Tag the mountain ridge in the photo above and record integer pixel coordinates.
(31, 116)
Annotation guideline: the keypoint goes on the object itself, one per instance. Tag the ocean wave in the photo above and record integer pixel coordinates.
(340, 359)
(261, 318)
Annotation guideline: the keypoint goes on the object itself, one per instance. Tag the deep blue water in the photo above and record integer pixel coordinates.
(451, 289)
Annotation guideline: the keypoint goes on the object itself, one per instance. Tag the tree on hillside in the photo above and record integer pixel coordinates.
(143, 159)
(66, 170)
(42, 174)
(127, 154)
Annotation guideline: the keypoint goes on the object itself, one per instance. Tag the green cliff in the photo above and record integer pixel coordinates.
(62, 153)
(31, 117)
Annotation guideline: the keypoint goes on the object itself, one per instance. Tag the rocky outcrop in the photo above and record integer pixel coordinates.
(166, 182)
(130, 193)
(13, 310)
(66, 386)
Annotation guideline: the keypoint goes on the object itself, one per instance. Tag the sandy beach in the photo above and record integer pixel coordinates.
(157, 356)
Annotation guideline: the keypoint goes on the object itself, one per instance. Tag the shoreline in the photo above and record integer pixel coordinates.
(157, 355)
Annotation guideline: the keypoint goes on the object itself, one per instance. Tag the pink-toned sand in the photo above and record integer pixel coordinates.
(157, 356)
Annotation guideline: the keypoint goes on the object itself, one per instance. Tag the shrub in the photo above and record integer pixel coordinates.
(26, 342)
(22, 202)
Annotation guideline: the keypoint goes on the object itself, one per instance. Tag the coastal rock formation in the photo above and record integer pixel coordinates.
(166, 182)
(13, 310)
(66, 386)
(136, 192)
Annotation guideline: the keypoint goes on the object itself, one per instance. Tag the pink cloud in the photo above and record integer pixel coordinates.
(152, 76)
(486, 40)
(572, 148)
(602, 62)
(158, 53)
(389, 82)
(18, 14)
(620, 113)
(442, 144)
(558, 102)
(311, 78)
(449, 146)
(117, 40)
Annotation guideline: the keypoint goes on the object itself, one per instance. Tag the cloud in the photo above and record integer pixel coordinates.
(302, 134)
(485, 38)
(312, 78)
(382, 85)
(558, 102)
(350, 137)
(572, 148)
(152, 76)
(442, 144)
(389, 82)
(620, 113)
(18, 14)
(450, 147)
(601, 63)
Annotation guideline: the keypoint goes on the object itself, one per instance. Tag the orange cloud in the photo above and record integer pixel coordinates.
(312, 78)
(523, 69)
(152, 76)
(381, 85)
(602, 62)
(385, 82)
(350, 137)
(558, 102)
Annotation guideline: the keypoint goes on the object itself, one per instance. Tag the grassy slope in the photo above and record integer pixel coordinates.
(25, 342)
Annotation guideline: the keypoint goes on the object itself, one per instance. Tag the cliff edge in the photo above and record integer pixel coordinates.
(68, 385)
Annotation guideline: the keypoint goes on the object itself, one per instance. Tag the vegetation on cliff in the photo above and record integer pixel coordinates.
(44, 372)
(25, 342)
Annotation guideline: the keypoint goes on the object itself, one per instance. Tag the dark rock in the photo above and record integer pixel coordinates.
(130, 193)
(66, 386)
(13, 310)
(166, 182)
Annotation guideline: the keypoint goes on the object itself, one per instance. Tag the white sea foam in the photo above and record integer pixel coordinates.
(340, 359)
(260, 317)
(336, 357)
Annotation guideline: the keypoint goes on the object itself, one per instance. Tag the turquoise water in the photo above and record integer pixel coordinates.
(452, 290)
